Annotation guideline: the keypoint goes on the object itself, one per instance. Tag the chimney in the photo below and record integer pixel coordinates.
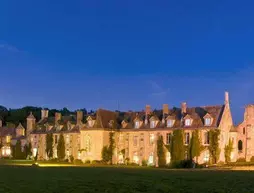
(148, 109)
(58, 117)
(1, 123)
(44, 113)
(226, 98)
(184, 107)
(165, 109)
(79, 116)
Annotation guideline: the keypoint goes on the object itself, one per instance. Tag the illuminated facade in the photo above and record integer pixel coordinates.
(136, 133)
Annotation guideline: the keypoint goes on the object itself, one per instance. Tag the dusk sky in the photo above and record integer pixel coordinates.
(91, 54)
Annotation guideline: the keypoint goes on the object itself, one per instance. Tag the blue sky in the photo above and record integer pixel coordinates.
(95, 54)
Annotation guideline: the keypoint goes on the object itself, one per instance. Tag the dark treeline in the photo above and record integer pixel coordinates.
(16, 116)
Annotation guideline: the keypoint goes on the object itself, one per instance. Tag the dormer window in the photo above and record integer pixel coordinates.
(208, 121)
(170, 123)
(152, 124)
(137, 124)
(187, 122)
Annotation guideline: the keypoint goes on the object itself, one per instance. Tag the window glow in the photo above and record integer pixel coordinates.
(170, 123)
(34, 151)
(187, 122)
(137, 124)
(152, 124)
(151, 139)
(186, 138)
(8, 139)
(150, 159)
(208, 121)
(135, 158)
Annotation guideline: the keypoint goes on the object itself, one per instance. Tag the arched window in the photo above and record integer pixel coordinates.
(244, 130)
(240, 145)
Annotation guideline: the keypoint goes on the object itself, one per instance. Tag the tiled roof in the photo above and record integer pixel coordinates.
(196, 114)
(4, 131)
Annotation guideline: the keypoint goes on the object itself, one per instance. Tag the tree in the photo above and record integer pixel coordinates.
(111, 146)
(61, 148)
(28, 150)
(161, 152)
(213, 148)
(18, 151)
(105, 154)
(177, 146)
(49, 145)
(195, 145)
(227, 150)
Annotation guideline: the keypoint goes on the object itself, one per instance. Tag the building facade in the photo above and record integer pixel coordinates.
(136, 133)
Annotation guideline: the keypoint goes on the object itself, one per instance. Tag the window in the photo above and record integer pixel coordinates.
(151, 139)
(170, 123)
(186, 138)
(88, 143)
(240, 145)
(152, 124)
(244, 130)
(6, 151)
(135, 157)
(208, 121)
(135, 140)
(168, 138)
(206, 138)
(137, 124)
(150, 159)
(67, 139)
(8, 139)
(141, 137)
(120, 138)
(90, 123)
(55, 139)
(187, 122)
(23, 132)
(67, 153)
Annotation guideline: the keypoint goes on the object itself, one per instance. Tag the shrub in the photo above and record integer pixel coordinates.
(220, 163)
(54, 160)
(144, 162)
(252, 159)
(133, 164)
(71, 158)
(78, 161)
(98, 162)
(87, 161)
(183, 164)
(127, 160)
(241, 159)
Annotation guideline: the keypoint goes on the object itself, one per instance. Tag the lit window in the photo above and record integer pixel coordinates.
(137, 124)
(35, 152)
(206, 138)
(187, 122)
(186, 138)
(8, 139)
(170, 123)
(208, 121)
(206, 156)
(67, 139)
(151, 159)
(6, 151)
(151, 139)
(135, 140)
(135, 157)
(152, 124)
(168, 138)
(67, 153)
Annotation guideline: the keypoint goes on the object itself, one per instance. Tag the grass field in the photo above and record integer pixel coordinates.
(112, 179)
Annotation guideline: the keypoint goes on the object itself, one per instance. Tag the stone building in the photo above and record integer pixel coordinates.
(136, 133)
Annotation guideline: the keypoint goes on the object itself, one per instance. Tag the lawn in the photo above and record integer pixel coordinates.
(112, 179)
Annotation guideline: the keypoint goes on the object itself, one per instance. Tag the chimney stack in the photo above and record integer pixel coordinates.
(44, 113)
(79, 116)
(165, 109)
(184, 107)
(226, 97)
(58, 117)
(148, 109)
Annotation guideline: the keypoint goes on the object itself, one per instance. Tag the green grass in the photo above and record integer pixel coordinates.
(113, 179)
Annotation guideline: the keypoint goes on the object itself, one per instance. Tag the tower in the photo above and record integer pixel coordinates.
(30, 124)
